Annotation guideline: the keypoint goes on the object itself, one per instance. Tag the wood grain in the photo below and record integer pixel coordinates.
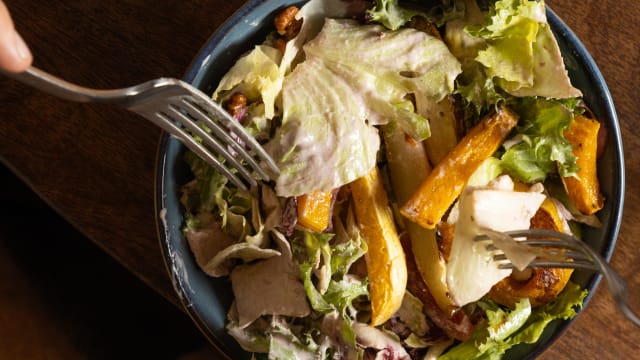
(95, 164)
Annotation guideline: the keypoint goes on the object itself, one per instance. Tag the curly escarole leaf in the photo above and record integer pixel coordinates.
(329, 289)
(353, 77)
(333, 288)
(232, 204)
(390, 14)
(543, 150)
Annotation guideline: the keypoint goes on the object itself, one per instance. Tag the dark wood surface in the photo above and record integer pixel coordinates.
(94, 164)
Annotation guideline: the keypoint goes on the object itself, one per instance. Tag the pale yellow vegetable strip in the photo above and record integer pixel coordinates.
(444, 127)
(449, 177)
(386, 266)
(409, 166)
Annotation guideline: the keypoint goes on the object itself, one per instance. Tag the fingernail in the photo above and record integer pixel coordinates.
(20, 47)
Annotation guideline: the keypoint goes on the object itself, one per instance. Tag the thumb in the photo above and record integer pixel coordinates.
(15, 55)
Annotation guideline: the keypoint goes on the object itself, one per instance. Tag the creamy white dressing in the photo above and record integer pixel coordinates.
(351, 80)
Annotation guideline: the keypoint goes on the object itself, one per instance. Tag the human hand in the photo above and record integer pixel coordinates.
(15, 55)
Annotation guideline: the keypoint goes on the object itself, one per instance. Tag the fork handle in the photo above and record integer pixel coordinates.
(58, 87)
(619, 292)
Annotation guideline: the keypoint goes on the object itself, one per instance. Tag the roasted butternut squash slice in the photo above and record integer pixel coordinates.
(584, 191)
(314, 210)
(444, 184)
(539, 285)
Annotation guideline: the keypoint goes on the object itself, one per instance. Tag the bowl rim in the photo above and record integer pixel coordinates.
(201, 61)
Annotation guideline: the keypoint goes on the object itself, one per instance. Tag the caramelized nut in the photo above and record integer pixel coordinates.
(285, 19)
(421, 24)
(237, 105)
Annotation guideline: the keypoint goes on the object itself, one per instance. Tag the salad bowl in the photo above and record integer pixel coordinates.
(208, 299)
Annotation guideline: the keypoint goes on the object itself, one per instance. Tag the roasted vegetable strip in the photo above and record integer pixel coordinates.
(458, 325)
(584, 191)
(406, 156)
(449, 177)
(539, 285)
(314, 210)
(385, 259)
(444, 126)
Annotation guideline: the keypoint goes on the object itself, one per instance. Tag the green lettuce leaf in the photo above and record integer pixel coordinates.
(231, 204)
(330, 290)
(563, 307)
(345, 253)
(543, 149)
(393, 16)
(390, 14)
(252, 338)
(489, 341)
(411, 314)
(323, 270)
(257, 76)
(286, 344)
(521, 52)
(505, 329)
(476, 88)
(488, 170)
(353, 77)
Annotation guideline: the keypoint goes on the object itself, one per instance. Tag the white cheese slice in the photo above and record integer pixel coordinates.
(471, 270)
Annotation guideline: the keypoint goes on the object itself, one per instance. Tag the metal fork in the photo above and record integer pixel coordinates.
(181, 110)
(559, 250)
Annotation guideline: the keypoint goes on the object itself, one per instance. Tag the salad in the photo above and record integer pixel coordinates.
(402, 132)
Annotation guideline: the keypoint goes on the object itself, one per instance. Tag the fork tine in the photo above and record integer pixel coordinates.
(586, 265)
(167, 124)
(541, 234)
(577, 264)
(553, 255)
(216, 112)
(189, 124)
(197, 113)
(558, 250)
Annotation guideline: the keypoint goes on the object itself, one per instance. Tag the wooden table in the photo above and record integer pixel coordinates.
(95, 164)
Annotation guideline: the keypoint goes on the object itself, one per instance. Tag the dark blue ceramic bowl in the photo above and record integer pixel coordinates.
(207, 300)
